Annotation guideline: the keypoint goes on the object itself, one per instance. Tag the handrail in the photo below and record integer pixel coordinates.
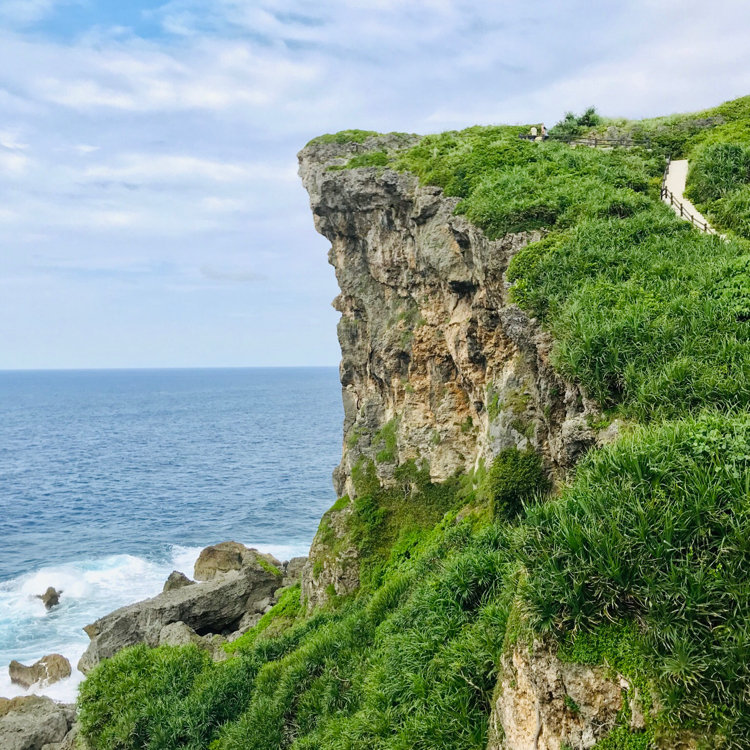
(593, 141)
(669, 197)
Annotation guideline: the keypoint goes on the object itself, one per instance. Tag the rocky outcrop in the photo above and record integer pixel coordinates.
(32, 722)
(51, 597)
(214, 607)
(180, 634)
(542, 703)
(48, 670)
(293, 571)
(176, 580)
(437, 364)
(227, 556)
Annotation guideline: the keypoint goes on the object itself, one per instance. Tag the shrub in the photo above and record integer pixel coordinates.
(717, 170)
(733, 211)
(514, 478)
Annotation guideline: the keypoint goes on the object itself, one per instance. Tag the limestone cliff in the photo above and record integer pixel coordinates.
(437, 365)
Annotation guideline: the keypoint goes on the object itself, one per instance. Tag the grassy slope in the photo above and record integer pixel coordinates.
(651, 535)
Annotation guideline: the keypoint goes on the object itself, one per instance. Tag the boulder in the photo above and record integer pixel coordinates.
(176, 580)
(51, 597)
(216, 606)
(47, 670)
(33, 721)
(69, 743)
(221, 558)
(179, 634)
(293, 571)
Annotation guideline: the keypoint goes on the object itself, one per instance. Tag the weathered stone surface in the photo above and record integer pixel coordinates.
(430, 343)
(226, 556)
(72, 741)
(30, 722)
(48, 670)
(542, 703)
(216, 606)
(176, 580)
(180, 634)
(51, 597)
(293, 571)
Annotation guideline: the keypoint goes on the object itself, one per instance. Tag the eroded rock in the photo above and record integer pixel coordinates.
(33, 721)
(51, 597)
(180, 634)
(176, 580)
(293, 571)
(221, 558)
(437, 364)
(215, 606)
(542, 703)
(48, 670)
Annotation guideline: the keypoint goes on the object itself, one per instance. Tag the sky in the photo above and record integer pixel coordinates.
(150, 211)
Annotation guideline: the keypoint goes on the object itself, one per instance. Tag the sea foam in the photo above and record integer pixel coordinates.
(91, 588)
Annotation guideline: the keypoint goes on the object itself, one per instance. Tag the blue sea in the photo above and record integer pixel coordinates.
(111, 479)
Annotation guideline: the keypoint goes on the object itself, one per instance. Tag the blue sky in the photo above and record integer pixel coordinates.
(150, 212)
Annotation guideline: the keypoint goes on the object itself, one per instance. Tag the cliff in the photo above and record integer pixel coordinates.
(541, 536)
(437, 365)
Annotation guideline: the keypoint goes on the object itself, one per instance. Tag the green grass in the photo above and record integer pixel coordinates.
(345, 136)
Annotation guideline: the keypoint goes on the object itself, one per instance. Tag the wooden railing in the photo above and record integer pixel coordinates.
(669, 197)
(593, 141)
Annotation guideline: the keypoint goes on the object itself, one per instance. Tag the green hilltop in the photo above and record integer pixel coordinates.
(641, 562)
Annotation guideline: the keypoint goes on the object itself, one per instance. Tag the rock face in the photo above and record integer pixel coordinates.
(179, 634)
(216, 606)
(176, 580)
(293, 571)
(31, 722)
(48, 670)
(542, 703)
(221, 558)
(437, 364)
(51, 597)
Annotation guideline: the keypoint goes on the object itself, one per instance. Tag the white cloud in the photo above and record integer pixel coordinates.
(10, 139)
(155, 168)
(232, 275)
(23, 12)
(189, 138)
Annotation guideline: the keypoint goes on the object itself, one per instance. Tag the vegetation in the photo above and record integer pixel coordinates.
(514, 478)
(345, 136)
(641, 562)
(572, 126)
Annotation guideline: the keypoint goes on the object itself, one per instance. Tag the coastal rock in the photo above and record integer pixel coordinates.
(180, 634)
(293, 571)
(176, 580)
(33, 721)
(216, 606)
(438, 365)
(221, 558)
(71, 741)
(542, 703)
(51, 597)
(48, 670)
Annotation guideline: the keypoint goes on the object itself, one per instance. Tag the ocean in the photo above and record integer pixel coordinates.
(109, 480)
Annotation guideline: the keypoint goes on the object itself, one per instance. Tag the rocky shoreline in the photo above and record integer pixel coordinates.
(232, 587)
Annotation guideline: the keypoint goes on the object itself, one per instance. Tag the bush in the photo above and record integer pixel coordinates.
(733, 211)
(717, 170)
(514, 478)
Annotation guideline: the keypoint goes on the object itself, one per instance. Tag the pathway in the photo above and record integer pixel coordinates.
(673, 193)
